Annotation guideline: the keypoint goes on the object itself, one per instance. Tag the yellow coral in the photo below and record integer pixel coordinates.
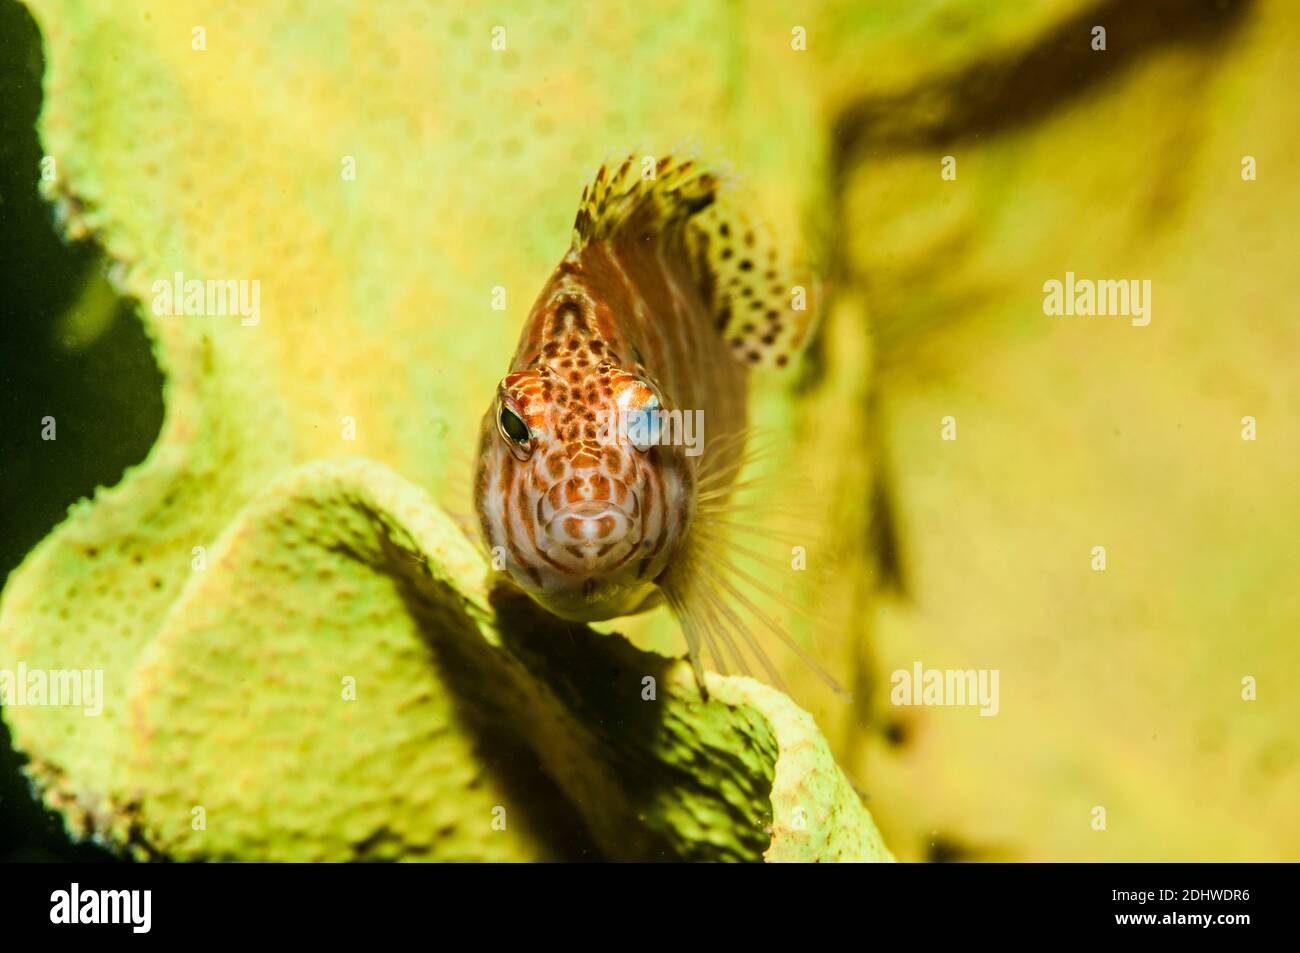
(379, 173)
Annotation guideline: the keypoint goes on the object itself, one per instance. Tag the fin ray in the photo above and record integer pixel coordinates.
(762, 299)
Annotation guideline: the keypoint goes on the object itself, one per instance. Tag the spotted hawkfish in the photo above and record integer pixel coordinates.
(670, 291)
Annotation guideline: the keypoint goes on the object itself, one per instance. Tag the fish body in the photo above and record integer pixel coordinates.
(585, 490)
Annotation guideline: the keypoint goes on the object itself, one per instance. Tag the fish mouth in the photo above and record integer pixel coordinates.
(591, 537)
(589, 509)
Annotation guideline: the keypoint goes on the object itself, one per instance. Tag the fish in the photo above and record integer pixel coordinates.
(594, 493)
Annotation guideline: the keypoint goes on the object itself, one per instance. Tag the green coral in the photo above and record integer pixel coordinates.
(267, 557)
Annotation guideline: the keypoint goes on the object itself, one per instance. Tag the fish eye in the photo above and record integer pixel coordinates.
(515, 432)
(643, 424)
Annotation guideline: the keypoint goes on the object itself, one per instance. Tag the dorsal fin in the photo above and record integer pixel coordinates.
(671, 190)
(761, 301)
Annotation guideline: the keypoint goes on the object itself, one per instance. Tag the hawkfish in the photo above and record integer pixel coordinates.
(593, 492)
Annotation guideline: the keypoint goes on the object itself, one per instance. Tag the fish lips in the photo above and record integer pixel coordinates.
(591, 537)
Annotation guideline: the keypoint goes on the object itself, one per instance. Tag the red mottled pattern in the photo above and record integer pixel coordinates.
(585, 521)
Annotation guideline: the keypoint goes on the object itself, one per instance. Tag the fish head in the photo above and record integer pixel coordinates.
(578, 495)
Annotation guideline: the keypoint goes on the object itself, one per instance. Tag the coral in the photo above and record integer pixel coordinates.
(280, 547)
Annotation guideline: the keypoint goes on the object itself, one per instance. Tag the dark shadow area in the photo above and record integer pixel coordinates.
(599, 680)
(990, 97)
(485, 708)
(69, 350)
(560, 718)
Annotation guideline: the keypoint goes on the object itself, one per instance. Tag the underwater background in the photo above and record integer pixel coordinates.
(962, 453)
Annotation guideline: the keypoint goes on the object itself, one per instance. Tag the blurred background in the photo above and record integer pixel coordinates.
(946, 159)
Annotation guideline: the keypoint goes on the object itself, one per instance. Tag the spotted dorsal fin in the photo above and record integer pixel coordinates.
(763, 302)
(665, 191)
(763, 299)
